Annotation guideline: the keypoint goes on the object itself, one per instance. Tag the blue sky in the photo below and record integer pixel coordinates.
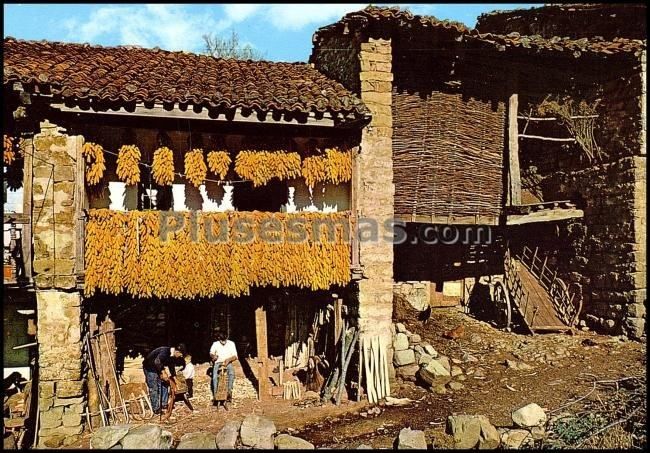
(282, 32)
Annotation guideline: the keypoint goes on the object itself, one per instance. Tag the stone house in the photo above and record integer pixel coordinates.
(438, 120)
(469, 147)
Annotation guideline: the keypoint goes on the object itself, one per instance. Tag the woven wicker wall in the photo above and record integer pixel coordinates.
(447, 155)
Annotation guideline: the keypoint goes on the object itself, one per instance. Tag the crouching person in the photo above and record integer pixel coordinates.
(159, 367)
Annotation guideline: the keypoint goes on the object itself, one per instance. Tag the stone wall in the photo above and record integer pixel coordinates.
(53, 211)
(61, 385)
(603, 253)
(376, 189)
(59, 305)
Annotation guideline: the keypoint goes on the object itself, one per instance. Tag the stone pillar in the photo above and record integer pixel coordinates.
(54, 212)
(376, 191)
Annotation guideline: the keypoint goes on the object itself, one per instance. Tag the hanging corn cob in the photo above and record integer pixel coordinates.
(219, 162)
(9, 153)
(195, 168)
(334, 166)
(95, 163)
(128, 164)
(163, 166)
(124, 253)
(262, 166)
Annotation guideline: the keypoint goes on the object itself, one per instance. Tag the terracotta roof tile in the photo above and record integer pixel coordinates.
(133, 74)
(405, 20)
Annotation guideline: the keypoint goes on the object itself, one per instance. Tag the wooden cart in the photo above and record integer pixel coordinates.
(534, 291)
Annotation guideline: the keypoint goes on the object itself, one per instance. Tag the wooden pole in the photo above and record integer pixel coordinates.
(262, 352)
(338, 320)
(514, 174)
(26, 232)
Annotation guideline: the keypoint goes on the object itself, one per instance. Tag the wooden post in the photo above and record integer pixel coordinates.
(80, 203)
(262, 353)
(514, 173)
(338, 320)
(26, 233)
(354, 191)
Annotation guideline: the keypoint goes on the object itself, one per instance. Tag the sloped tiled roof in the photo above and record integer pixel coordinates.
(131, 74)
(559, 44)
(404, 21)
(383, 15)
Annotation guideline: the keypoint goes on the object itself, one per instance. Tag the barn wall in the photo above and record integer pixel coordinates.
(603, 253)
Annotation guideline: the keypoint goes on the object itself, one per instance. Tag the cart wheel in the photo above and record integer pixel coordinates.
(502, 306)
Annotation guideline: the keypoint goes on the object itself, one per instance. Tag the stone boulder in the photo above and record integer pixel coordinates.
(432, 371)
(147, 437)
(227, 438)
(410, 439)
(405, 357)
(472, 430)
(430, 350)
(287, 442)
(257, 432)
(400, 342)
(400, 327)
(415, 339)
(197, 441)
(105, 437)
(515, 438)
(528, 416)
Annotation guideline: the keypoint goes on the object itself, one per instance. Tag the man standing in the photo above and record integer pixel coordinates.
(157, 377)
(223, 353)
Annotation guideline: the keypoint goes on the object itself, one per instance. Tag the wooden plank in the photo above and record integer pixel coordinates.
(354, 202)
(548, 139)
(449, 220)
(338, 320)
(80, 203)
(553, 215)
(263, 389)
(26, 234)
(514, 174)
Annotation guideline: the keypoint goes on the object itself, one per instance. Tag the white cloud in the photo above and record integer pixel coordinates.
(240, 12)
(171, 27)
(295, 17)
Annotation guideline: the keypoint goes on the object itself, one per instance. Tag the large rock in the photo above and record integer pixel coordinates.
(400, 342)
(107, 436)
(257, 432)
(198, 441)
(424, 359)
(444, 361)
(489, 438)
(415, 338)
(146, 437)
(407, 371)
(466, 430)
(430, 350)
(401, 328)
(432, 371)
(405, 357)
(529, 416)
(227, 437)
(287, 442)
(410, 439)
(514, 438)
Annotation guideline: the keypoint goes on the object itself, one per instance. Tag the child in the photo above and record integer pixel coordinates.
(188, 373)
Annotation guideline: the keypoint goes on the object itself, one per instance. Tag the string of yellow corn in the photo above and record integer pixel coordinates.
(9, 154)
(334, 167)
(219, 163)
(95, 163)
(195, 168)
(163, 166)
(262, 166)
(124, 253)
(128, 168)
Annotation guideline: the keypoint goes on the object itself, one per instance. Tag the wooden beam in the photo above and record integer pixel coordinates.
(449, 220)
(18, 218)
(26, 234)
(354, 202)
(548, 139)
(158, 111)
(80, 203)
(263, 389)
(514, 174)
(338, 320)
(547, 215)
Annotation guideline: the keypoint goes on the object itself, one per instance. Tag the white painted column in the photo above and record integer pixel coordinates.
(178, 195)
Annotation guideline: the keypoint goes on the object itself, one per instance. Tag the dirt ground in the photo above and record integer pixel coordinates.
(563, 368)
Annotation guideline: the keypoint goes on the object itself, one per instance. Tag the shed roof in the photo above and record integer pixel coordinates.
(127, 74)
(406, 22)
